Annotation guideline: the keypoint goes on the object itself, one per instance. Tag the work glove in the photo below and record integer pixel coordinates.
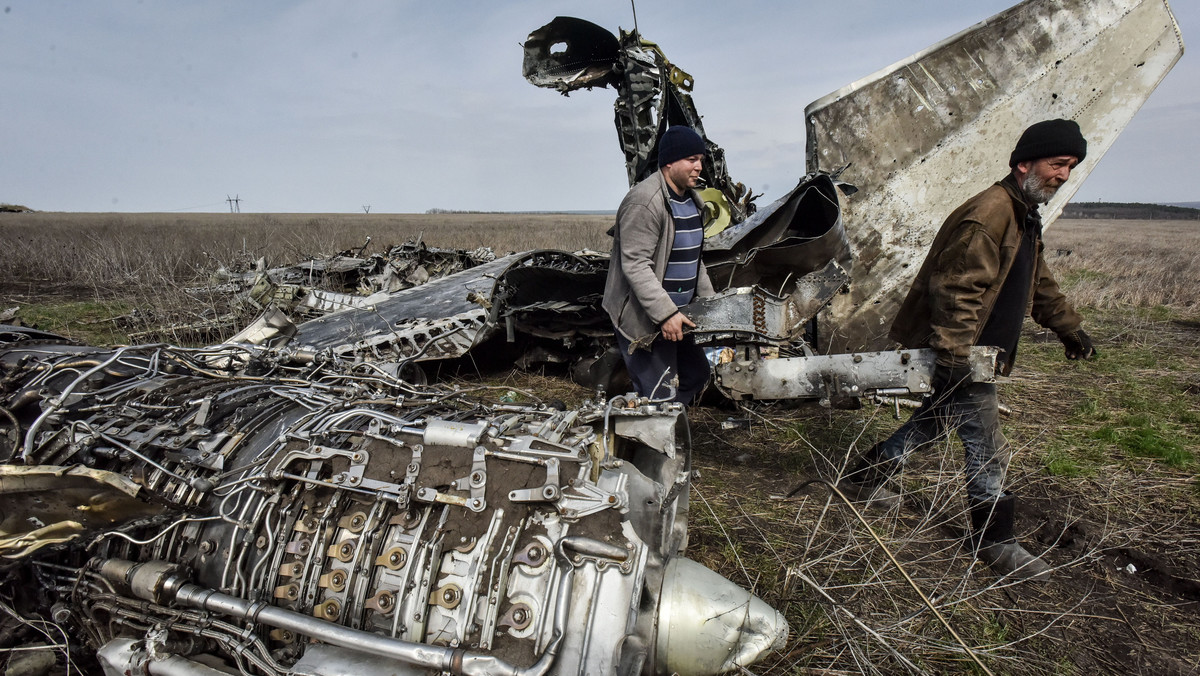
(1078, 344)
(946, 378)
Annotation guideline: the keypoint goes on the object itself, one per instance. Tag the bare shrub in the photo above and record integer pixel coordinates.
(899, 591)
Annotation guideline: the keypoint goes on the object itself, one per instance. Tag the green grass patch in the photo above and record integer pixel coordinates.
(1148, 442)
(1140, 436)
(1082, 276)
(89, 322)
(1058, 462)
(1158, 313)
(1092, 407)
(1072, 455)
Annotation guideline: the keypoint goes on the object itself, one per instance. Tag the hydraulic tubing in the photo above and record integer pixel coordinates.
(155, 582)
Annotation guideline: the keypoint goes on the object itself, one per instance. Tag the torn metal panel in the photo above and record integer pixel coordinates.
(555, 295)
(311, 288)
(438, 320)
(752, 315)
(320, 285)
(923, 135)
(270, 328)
(320, 302)
(547, 294)
(744, 314)
(44, 506)
(568, 54)
(844, 376)
(797, 234)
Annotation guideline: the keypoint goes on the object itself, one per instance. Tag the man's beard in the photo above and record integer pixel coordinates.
(1036, 189)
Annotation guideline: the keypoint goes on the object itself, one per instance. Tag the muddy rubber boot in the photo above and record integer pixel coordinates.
(992, 523)
(866, 484)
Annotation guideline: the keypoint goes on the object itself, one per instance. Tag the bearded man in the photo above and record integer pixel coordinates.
(983, 275)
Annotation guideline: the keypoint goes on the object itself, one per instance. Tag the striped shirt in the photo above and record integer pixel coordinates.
(679, 281)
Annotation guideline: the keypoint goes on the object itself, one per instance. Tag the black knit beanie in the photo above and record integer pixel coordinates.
(1049, 138)
(677, 143)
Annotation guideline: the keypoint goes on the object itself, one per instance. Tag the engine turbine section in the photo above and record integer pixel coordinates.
(221, 510)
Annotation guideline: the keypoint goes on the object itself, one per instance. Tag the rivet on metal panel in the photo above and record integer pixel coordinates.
(353, 522)
(533, 555)
(342, 551)
(383, 602)
(335, 580)
(287, 591)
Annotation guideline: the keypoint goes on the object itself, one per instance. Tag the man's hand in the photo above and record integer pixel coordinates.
(1078, 344)
(672, 329)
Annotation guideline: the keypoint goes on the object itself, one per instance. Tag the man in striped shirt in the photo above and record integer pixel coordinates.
(656, 268)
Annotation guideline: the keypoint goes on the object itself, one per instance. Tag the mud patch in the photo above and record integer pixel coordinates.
(1154, 570)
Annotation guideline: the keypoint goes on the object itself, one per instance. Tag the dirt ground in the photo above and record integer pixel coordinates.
(1123, 534)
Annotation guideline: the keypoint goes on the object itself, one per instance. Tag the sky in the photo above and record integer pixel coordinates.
(325, 106)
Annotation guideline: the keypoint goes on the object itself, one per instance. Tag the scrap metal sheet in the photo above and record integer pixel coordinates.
(927, 133)
(842, 375)
(795, 235)
(420, 314)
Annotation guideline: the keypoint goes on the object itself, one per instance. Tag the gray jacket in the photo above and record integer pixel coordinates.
(642, 239)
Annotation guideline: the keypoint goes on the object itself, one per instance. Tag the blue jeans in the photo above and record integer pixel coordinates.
(971, 410)
(654, 370)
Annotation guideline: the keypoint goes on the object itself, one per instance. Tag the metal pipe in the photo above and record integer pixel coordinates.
(158, 586)
(125, 656)
(58, 401)
(197, 483)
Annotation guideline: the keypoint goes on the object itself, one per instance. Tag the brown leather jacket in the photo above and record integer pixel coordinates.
(954, 292)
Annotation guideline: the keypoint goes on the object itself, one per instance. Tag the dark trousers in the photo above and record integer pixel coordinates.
(679, 366)
(971, 410)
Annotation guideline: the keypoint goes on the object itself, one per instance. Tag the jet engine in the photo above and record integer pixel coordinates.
(233, 510)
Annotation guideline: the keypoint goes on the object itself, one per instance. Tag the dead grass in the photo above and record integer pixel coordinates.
(1123, 534)
(112, 252)
(1127, 263)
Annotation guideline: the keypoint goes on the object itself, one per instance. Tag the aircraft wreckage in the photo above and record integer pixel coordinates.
(173, 504)
(298, 501)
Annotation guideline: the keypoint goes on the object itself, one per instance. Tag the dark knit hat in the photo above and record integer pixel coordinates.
(1050, 138)
(677, 143)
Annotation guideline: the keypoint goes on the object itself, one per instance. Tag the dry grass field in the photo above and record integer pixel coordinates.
(1105, 451)
(132, 268)
(1109, 264)
(108, 252)
(1114, 264)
